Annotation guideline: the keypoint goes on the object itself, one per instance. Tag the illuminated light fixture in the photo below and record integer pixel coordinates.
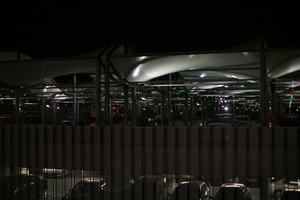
(142, 58)
(202, 75)
(197, 104)
(47, 106)
(226, 108)
(143, 98)
(226, 86)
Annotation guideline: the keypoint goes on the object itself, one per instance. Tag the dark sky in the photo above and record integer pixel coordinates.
(48, 32)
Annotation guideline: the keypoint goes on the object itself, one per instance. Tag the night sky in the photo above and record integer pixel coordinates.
(50, 32)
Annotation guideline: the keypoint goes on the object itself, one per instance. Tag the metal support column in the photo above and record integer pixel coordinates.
(43, 113)
(186, 110)
(191, 111)
(125, 110)
(74, 99)
(134, 106)
(263, 89)
(107, 108)
(17, 107)
(162, 108)
(170, 110)
(98, 92)
(54, 112)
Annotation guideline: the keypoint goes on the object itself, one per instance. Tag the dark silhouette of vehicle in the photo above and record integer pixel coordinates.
(191, 190)
(286, 194)
(25, 187)
(87, 190)
(233, 191)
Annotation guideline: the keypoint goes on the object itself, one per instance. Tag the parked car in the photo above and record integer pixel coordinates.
(242, 120)
(233, 191)
(221, 120)
(286, 194)
(87, 190)
(191, 190)
(17, 187)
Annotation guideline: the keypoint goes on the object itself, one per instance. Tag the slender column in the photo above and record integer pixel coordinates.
(263, 90)
(125, 110)
(17, 107)
(98, 92)
(74, 99)
(186, 110)
(43, 113)
(162, 108)
(107, 108)
(54, 112)
(134, 106)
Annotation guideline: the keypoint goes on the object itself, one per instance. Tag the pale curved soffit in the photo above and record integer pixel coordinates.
(285, 68)
(148, 70)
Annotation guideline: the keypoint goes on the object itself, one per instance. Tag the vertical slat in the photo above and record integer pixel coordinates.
(217, 151)
(241, 161)
(24, 145)
(229, 152)
(253, 151)
(117, 159)
(181, 153)
(292, 153)
(77, 147)
(68, 146)
(41, 146)
(16, 146)
(87, 148)
(127, 169)
(107, 157)
(170, 144)
(137, 151)
(1, 148)
(32, 160)
(98, 143)
(59, 147)
(266, 152)
(194, 151)
(159, 150)
(279, 152)
(7, 145)
(50, 146)
(205, 151)
(148, 150)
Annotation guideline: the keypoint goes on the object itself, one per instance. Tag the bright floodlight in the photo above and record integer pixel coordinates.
(202, 75)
